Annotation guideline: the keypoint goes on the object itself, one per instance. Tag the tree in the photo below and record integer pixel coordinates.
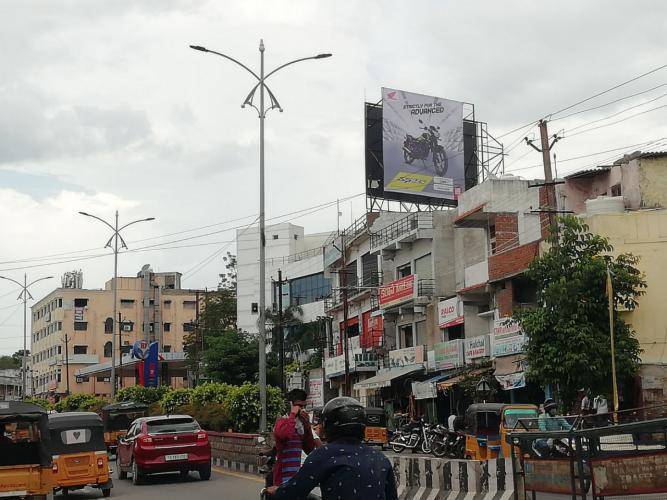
(228, 279)
(9, 362)
(568, 342)
(232, 358)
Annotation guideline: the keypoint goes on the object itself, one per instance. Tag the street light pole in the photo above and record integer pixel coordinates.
(25, 295)
(261, 110)
(114, 285)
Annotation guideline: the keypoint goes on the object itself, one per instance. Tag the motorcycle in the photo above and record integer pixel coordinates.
(439, 445)
(414, 436)
(418, 148)
(448, 443)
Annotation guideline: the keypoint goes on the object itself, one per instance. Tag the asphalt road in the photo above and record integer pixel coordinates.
(223, 484)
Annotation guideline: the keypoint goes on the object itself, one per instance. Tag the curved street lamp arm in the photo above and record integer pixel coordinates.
(290, 63)
(99, 219)
(12, 280)
(231, 59)
(40, 279)
(135, 222)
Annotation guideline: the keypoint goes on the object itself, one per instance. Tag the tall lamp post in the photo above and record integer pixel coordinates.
(115, 237)
(25, 295)
(261, 111)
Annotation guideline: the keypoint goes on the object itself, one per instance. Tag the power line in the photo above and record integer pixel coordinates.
(608, 90)
(619, 121)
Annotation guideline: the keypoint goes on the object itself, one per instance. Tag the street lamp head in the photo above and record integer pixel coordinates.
(199, 47)
(84, 213)
(149, 218)
(322, 56)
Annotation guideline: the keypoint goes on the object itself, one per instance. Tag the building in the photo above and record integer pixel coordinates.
(626, 203)
(299, 258)
(11, 385)
(71, 330)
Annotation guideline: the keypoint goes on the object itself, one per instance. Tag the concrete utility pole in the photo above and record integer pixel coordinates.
(281, 333)
(114, 284)
(545, 149)
(261, 110)
(24, 296)
(610, 296)
(66, 339)
(344, 285)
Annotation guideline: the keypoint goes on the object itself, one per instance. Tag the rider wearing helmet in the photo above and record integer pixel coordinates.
(344, 467)
(549, 421)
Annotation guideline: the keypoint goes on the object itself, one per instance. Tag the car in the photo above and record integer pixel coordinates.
(168, 443)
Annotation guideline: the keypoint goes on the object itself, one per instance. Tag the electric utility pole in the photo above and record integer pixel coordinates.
(281, 333)
(67, 362)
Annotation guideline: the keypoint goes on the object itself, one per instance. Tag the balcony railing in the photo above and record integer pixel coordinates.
(365, 284)
(402, 228)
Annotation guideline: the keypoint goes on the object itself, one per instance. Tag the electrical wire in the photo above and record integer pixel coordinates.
(618, 121)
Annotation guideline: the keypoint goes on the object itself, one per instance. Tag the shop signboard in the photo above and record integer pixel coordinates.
(450, 312)
(372, 330)
(630, 475)
(508, 337)
(476, 347)
(432, 168)
(398, 291)
(424, 390)
(448, 355)
(315, 393)
(512, 381)
(407, 356)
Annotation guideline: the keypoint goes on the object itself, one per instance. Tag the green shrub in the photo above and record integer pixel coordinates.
(139, 394)
(44, 403)
(80, 402)
(244, 407)
(213, 392)
(175, 398)
(212, 417)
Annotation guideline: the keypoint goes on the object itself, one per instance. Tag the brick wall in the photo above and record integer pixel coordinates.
(504, 299)
(234, 446)
(507, 232)
(512, 262)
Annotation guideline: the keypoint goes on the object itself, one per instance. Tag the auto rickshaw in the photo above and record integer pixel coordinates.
(117, 418)
(79, 452)
(25, 451)
(486, 426)
(376, 427)
(510, 415)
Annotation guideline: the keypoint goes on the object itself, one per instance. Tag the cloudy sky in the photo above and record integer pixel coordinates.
(103, 106)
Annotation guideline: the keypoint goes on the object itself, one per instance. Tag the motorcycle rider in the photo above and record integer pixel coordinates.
(344, 467)
(549, 421)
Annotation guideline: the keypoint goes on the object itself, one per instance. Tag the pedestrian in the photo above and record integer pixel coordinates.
(293, 435)
(343, 468)
(586, 404)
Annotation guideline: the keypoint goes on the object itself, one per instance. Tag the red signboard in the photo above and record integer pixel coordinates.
(398, 291)
(549, 476)
(630, 475)
(372, 330)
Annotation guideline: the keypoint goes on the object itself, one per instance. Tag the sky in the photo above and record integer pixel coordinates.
(104, 107)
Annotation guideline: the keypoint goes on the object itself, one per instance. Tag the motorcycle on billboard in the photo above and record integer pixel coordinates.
(419, 148)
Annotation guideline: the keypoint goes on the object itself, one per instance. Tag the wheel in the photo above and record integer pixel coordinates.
(408, 157)
(397, 448)
(65, 491)
(185, 474)
(426, 446)
(120, 472)
(440, 162)
(136, 474)
(106, 492)
(205, 472)
(439, 449)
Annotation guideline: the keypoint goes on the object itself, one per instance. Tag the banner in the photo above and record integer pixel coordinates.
(512, 381)
(151, 365)
(476, 347)
(422, 144)
(398, 291)
(627, 475)
(508, 337)
(450, 312)
(424, 390)
(448, 355)
(315, 393)
(372, 330)
(406, 357)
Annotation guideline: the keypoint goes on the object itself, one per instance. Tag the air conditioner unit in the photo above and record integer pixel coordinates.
(127, 328)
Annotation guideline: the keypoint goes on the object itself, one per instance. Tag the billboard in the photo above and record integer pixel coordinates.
(398, 291)
(422, 145)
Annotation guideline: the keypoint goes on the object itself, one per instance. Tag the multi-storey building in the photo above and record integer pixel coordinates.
(72, 329)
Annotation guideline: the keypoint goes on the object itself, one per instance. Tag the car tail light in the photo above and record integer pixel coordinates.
(100, 463)
(202, 436)
(55, 468)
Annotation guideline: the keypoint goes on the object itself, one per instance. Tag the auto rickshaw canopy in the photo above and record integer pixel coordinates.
(76, 432)
(36, 449)
(483, 418)
(119, 416)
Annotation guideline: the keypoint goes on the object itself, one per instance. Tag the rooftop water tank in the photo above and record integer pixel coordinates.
(605, 205)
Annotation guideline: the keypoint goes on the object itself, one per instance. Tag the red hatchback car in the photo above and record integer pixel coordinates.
(171, 443)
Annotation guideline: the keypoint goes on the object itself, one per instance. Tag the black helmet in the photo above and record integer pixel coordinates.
(343, 417)
(549, 404)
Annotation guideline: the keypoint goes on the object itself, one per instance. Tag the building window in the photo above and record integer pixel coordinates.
(80, 349)
(167, 304)
(309, 289)
(126, 303)
(167, 327)
(424, 267)
(103, 379)
(403, 271)
(189, 304)
(108, 325)
(492, 238)
(407, 338)
(275, 236)
(60, 326)
(166, 348)
(80, 326)
(59, 376)
(107, 350)
(296, 236)
(188, 327)
(127, 326)
(616, 190)
(82, 378)
(60, 302)
(59, 349)
(80, 302)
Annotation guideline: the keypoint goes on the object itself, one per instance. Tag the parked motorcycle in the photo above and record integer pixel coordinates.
(418, 148)
(447, 443)
(439, 443)
(415, 436)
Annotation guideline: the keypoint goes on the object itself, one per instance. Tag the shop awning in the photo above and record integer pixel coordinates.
(383, 379)
(451, 382)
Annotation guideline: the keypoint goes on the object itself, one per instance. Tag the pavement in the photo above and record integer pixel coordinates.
(223, 484)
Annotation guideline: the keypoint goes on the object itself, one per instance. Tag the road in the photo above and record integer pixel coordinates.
(223, 484)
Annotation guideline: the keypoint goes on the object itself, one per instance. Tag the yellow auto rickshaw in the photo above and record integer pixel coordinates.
(25, 451)
(79, 452)
(117, 418)
(486, 427)
(376, 427)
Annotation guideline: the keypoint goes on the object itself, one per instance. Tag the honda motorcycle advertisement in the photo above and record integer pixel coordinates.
(422, 144)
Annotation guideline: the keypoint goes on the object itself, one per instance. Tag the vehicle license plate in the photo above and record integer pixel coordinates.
(180, 456)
